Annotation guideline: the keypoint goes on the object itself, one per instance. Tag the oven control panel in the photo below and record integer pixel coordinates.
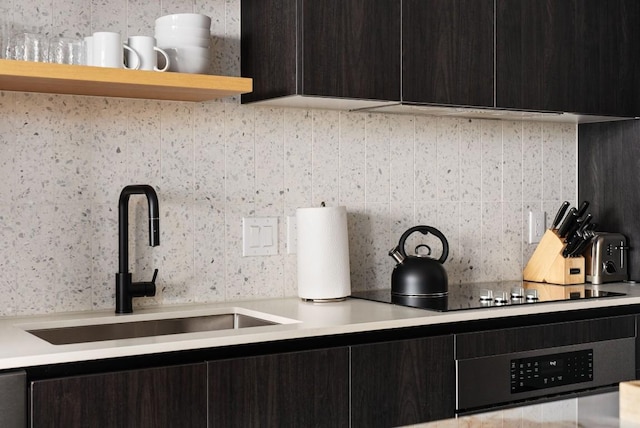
(547, 371)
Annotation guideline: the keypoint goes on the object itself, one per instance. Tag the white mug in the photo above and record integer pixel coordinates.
(108, 51)
(145, 47)
(88, 50)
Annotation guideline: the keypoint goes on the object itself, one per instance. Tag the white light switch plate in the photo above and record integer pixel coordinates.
(259, 236)
(537, 226)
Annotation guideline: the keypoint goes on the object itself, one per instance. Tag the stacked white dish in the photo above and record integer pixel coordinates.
(185, 37)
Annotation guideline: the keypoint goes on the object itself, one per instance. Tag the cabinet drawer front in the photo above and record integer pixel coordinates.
(494, 342)
(402, 382)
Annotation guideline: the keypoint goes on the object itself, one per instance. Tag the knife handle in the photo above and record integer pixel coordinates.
(560, 214)
(568, 221)
(582, 209)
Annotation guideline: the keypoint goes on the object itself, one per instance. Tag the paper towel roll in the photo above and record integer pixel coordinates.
(323, 253)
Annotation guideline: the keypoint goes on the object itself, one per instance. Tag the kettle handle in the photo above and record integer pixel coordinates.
(425, 230)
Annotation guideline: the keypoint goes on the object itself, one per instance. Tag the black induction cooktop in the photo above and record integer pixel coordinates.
(490, 295)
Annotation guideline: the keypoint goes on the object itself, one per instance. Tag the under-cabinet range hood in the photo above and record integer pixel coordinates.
(395, 107)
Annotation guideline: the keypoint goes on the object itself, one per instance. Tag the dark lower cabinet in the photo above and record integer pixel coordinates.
(159, 397)
(402, 382)
(298, 389)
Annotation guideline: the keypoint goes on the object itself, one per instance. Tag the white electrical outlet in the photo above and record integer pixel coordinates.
(537, 226)
(259, 236)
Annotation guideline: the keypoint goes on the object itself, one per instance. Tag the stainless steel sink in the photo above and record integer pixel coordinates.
(161, 327)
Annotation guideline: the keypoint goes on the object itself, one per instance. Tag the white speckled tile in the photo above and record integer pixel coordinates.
(512, 241)
(492, 241)
(426, 158)
(569, 162)
(352, 158)
(141, 17)
(470, 245)
(70, 18)
(401, 159)
(144, 131)
(109, 148)
(325, 157)
(378, 168)
(298, 157)
(470, 159)
(532, 161)
(177, 155)
(377, 264)
(177, 6)
(449, 224)
(512, 174)
(104, 251)
(448, 164)
(552, 165)
(492, 161)
(32, 16)
(209, 152)
(109, 16)
(269, 149)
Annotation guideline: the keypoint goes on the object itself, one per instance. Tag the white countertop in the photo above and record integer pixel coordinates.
(299, 319)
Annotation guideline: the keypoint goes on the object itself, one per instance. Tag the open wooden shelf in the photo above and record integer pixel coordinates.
(27, 76)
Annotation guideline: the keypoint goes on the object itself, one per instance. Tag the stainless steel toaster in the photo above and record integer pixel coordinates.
(606, 260)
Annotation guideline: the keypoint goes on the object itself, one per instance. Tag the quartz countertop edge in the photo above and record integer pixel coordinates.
(18, 348)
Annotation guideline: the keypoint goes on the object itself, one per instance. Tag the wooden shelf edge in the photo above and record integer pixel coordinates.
(113, 82)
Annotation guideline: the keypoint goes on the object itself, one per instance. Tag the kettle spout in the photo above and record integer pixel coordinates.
(396, 254)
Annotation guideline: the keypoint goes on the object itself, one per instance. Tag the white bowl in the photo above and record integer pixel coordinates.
(173, 41)
(188, 59)
(185, 19)
(180, 30)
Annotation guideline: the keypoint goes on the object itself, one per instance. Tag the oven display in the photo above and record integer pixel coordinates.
(547, 371)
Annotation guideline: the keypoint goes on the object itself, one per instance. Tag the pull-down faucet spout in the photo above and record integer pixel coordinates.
(126, 290)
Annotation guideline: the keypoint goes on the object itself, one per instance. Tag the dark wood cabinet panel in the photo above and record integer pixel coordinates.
(300, 389)
(403, 382)
(447, 52)
(572, 55)
(608, 165)
(503, 341)
(159, 397)
(328, 48)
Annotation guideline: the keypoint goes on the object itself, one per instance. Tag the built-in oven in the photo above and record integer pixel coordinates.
(501, 368)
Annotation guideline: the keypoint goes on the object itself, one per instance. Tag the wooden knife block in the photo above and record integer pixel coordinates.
(547, 264)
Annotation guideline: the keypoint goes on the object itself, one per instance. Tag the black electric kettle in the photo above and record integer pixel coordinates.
(420, 275)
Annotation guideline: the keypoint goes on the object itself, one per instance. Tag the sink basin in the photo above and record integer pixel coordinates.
(160, 327)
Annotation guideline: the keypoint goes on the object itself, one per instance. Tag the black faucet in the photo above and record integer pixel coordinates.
(126, 290)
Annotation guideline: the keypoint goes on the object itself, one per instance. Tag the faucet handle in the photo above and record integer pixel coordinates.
(144, 289)
(155, 275)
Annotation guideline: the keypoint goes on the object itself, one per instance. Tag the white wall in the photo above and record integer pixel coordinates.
(64, 160)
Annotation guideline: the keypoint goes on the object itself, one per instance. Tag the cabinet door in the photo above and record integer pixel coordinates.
(351, 48)
(300, 389)
(404, 382)
(447, 52)
(571, 55)
(159, 397)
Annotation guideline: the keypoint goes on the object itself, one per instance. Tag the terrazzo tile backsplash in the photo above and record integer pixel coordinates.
(64, 160)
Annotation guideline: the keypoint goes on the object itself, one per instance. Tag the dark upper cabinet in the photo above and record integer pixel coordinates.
(158, 397)
(328, 48)
(402, 382)
(573, 55)
(447, 52)
(297, 389)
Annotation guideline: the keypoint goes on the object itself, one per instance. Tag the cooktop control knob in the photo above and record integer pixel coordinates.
(517, 293)
(501, 298)
(486, 295)
(531, 295)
